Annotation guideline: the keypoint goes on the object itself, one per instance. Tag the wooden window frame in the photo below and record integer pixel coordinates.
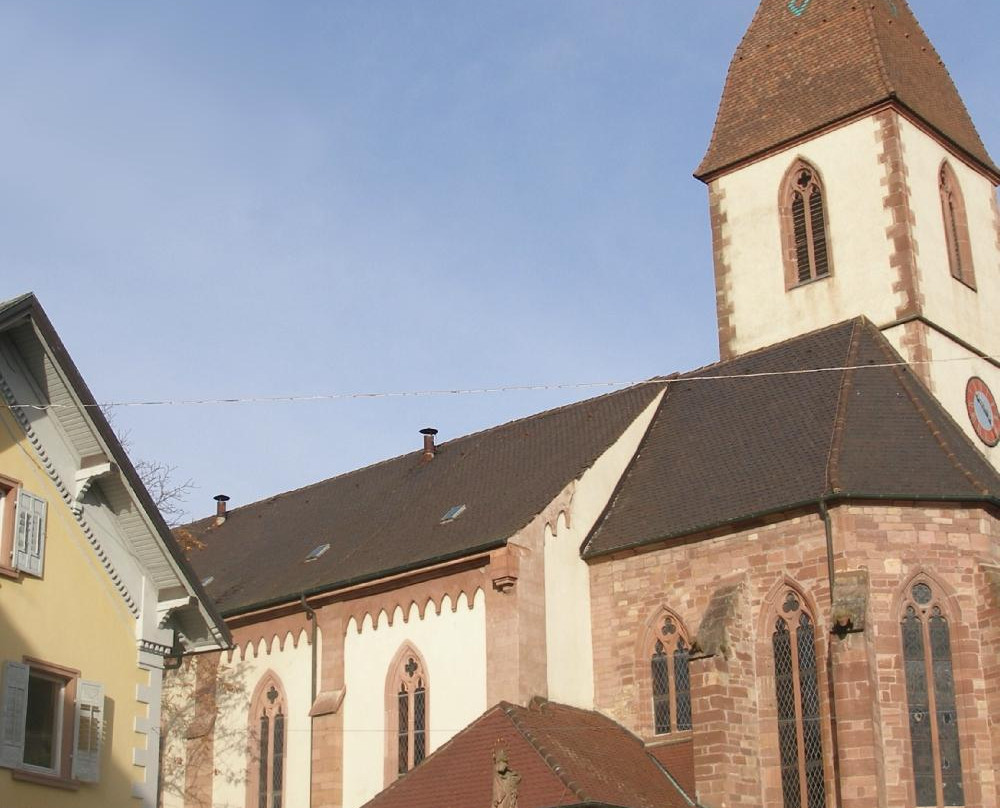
(791, 609)
(267, 703)
(408, 669)
(61, 775)
(9, 489)
(935, 605)
(669, 631)
(956, 227)
(791, 184)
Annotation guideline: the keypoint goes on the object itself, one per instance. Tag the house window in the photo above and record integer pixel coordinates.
(670, 654)
(406, 712)
(52, 722)
(956, 227)
(22, 529)
(268, 716)
(804, 225)
(797, 695)
(930, 698)
(8, 498)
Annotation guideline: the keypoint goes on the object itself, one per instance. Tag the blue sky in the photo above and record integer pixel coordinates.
(238, 198)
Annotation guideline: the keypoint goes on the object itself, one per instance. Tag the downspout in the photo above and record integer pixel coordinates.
(311, 617)
(824, 514)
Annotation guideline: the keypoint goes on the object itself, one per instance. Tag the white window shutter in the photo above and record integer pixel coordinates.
(29, 546)
(13, 714)
(88, 731)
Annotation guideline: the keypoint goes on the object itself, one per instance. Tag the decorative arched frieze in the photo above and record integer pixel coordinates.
(373, 613)
(805, 225)
(407, 712)
(267, 741)
(956, 226)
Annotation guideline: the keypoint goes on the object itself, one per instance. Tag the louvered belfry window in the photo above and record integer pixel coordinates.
(797, 694)
(956, 227)
(930, 699)
(410, 712)
(804, 220)
(670, 679)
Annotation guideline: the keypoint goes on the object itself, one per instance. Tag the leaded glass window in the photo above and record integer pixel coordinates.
(800, 733)
(804, 223)
(930, 699)
(266, 781)
(670, 678)
(410, 712)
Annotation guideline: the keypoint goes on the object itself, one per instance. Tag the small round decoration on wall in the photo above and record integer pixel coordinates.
(983, 412)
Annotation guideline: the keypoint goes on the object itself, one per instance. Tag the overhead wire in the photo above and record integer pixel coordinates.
(514, 388)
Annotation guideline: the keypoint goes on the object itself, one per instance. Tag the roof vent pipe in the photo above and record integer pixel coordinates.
(429, 448)
(220, 508)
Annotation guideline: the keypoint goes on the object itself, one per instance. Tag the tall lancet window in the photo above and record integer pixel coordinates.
(669, 653)
(930, 698)
(797, 696)
(956, 227)
(804, 225)
(268, 715)
(407, 710)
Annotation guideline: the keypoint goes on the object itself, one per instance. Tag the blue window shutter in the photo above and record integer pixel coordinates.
(88, 731)
(14, 713)
(29, 545)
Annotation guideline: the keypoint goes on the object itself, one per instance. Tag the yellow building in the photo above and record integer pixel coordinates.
(94, 592)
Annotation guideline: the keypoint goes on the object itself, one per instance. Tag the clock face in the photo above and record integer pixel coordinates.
(983, 411)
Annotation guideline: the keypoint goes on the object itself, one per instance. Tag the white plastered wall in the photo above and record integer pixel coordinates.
(568, 634)
(453, 645)
(238, 679)
(953, 366)
(970, 314)
(861, 279)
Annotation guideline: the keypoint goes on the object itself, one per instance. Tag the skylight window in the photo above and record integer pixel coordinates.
(453, 513)
(208, 580)
(317, 552)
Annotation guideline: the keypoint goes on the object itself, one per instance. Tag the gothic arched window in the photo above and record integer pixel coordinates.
(930, 698)
(797, 694)
(804, 226)
(669, 654)
(268, 716)
(407, 708)
(956, 226)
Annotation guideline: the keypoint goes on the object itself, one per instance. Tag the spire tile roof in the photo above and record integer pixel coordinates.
(806, 64)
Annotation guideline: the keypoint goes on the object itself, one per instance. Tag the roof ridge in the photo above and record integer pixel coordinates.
(876, 43)
(547, 756)
(907, 380)
(840, 415)
(350, 472)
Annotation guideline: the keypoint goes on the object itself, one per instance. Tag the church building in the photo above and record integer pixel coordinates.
(773, 581)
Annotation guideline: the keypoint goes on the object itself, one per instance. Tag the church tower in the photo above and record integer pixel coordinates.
(846, 177)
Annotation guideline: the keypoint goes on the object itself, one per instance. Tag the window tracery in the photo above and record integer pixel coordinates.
(268, 716)
(407, 711)
(670, 653)
(797, 696)
(805, 226)
(930, 698)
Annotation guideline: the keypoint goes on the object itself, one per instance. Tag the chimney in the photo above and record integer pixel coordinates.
(429, 448)
(220, 508)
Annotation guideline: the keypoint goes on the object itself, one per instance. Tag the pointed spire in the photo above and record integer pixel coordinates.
(804, 65)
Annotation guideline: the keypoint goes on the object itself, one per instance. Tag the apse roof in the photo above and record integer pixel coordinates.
(834, 413)
(804, 65)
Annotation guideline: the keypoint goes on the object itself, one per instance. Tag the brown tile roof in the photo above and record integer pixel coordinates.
(565, 756)
(387, 517)
(793, 75)
(723, 449)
